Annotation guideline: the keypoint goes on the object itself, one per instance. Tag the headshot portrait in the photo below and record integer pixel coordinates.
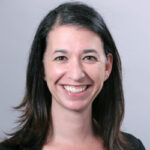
(74, 75)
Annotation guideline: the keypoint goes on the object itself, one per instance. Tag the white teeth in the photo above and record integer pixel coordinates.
(73, 89)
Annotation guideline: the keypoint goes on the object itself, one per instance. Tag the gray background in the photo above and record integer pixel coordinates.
(129, 23)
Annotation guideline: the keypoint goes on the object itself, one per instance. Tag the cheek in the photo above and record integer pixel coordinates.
(96, 73)
(53, 73)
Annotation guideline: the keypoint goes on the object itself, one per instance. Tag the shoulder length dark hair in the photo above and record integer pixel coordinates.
(108, 107)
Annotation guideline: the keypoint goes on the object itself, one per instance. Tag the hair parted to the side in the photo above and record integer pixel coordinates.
(108, 107)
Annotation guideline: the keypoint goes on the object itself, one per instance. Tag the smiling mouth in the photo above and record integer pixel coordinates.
(75, 89)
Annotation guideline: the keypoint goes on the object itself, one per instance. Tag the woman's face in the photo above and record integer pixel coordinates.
(75, 66)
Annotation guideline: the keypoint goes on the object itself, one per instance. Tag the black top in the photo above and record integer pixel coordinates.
(4, 148)
(136, 143)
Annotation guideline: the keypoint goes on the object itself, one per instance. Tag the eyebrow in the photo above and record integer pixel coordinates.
(90, 51)
(61, 51)
(85, 51)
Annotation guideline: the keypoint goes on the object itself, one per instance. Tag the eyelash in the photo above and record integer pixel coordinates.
(86, 58)
(91, 58)
(61, 58)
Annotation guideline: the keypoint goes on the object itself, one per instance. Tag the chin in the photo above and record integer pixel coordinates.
(77, 105)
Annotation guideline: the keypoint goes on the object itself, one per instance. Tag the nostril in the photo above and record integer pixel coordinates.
(76, 71)
(76, 74)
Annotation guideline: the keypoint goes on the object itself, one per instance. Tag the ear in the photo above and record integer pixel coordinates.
(108, 67)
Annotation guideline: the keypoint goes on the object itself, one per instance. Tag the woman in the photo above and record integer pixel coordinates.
(74, 97)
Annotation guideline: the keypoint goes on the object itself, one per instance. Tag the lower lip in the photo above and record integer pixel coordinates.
(76, 94)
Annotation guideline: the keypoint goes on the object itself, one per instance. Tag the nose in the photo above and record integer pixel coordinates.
(76, 71)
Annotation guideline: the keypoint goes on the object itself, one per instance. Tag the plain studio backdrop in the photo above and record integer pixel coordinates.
(129, 23)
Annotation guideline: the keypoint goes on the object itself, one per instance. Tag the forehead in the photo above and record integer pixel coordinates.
(69, 36)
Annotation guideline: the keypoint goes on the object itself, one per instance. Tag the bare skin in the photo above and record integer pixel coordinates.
(75, 69)
(73, 131)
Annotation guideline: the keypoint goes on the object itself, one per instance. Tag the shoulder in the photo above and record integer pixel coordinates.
(134, 142)
(4, 148)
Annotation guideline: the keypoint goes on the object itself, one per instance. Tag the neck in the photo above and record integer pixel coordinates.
(71, 126)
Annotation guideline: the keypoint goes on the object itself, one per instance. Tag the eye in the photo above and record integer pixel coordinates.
(61, 58)
(90, 58)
